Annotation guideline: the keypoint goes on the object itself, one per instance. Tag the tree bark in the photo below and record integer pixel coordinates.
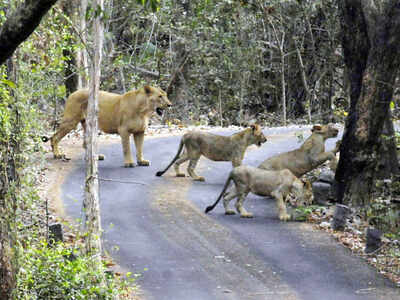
(91, 201)
(305, 84)
(19, 26)
(9, 176)
(82, 59)
(371, 44)
(70, 68)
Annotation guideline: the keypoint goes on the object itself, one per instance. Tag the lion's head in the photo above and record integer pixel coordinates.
(302, 193)
(328, 131)
(158, 98)
(257, 136)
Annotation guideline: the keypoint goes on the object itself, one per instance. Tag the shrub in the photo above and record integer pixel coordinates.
(59, 272)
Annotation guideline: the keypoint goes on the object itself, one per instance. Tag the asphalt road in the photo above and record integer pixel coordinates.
(160, 231)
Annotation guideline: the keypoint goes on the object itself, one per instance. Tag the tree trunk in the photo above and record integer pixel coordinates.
(9, 176)
(305, 84)
(283, 85)
(19, 26)
(7, 222)
(82, 59)
(91, 201)
(371, 44)
(70, 68)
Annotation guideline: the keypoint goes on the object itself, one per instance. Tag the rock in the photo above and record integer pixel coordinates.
(55, 233)
(374, 240)
(327, 176)
(325, 225)
(321, 192)
(340, 216)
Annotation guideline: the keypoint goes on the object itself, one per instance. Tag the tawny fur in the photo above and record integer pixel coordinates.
(215, 147)
(309, 156)
(277, 184)
(127, 114)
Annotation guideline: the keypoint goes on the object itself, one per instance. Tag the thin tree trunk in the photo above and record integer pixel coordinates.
(283, 86)
(82, 59)
(91, 202)
(305, 84)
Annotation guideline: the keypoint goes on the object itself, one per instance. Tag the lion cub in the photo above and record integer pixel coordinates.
(277, 184)
(215, 147)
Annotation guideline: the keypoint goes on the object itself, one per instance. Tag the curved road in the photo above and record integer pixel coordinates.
(160, 231)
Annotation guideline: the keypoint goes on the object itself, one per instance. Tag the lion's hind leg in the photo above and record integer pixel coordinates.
(63, 130)
(242, 192)
(194, 155)
(184, 157)
(227, 198)
(191, 167)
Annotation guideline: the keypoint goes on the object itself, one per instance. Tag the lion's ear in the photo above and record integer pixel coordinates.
(316, 128)
(147, 89)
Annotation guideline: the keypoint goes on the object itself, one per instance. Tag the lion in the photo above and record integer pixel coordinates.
(215, 147)
(309, 156)
(124, 114)
(277, 184)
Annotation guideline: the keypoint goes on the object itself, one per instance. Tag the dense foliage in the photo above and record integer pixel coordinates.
(57, 271)
(222, 58)
(220, 61)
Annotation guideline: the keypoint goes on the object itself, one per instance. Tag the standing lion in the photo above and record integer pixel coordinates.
(126, 115)
(215, 147)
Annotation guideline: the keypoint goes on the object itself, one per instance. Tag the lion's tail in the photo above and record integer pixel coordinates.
(227, 183)
(160, 173)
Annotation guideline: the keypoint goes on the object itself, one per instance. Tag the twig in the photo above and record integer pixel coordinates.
(122, 181)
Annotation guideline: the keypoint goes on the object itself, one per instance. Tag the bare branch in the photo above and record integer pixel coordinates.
(20, 25)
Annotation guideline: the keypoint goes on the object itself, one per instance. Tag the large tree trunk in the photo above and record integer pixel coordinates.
(9, 177)
(21, 24)
(371, 44)
(91, 201)
(70, 68)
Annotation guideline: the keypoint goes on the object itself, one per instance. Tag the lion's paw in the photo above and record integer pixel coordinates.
(129, 165)
(180, 175)
(61, 156)
(230, 212)
(246, 215)
(284, 217)
(144, 163)
(200, 178)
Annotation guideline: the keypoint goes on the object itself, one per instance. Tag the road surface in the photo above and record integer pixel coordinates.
(158, 229)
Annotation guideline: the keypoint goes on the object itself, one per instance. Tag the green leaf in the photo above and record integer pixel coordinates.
(392, 105)
(9, 83)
